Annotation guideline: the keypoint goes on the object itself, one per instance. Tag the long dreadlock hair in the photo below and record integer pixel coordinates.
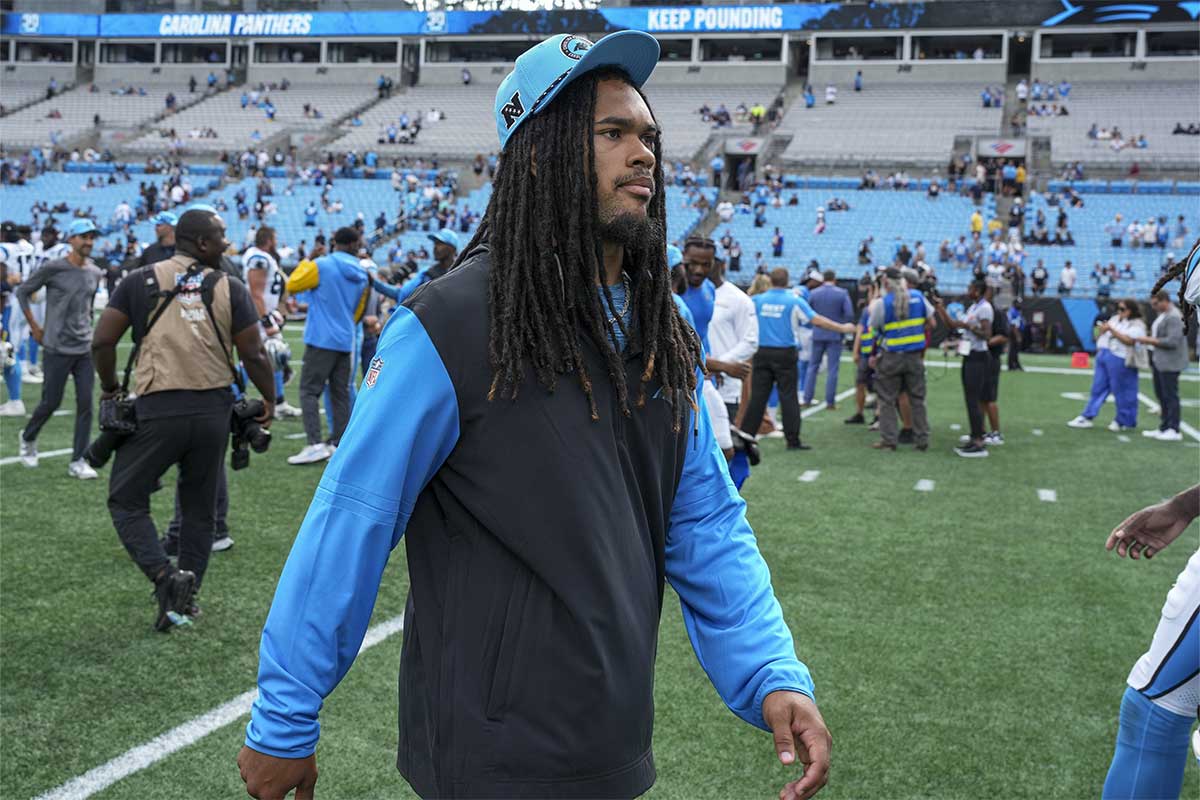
(1179, 270)
(543, 233)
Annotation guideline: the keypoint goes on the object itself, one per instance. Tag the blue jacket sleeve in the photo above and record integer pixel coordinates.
(327, 591)
(712, 561)
(387, 290)
(410, 286)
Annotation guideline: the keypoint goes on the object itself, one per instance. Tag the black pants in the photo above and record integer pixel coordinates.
(220, 512)
(58, 368)
(1166, 389)
(196, 442)
(1014, 349)
(975, 369)
(323, 366)
(774, 367)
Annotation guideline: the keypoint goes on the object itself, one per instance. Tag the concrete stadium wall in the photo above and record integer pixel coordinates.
(172, 75)
(736, 74)
(1117, 71)
(36, 72)
(971, 72)
(340, 74)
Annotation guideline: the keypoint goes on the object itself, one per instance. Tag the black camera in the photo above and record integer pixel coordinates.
(118, 421)
(247, 433)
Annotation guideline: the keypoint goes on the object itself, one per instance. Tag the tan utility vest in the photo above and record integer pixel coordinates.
(181, 350)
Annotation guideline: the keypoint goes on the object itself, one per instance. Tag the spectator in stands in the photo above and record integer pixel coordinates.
(1180, 234)
(717, 165)
(830, 94)
(1116, 231)
(1066, 280)
(760, 264)
(466, 76)
(1127, 272)
(1150, 233)
(1039, 276)
(1064, 89)
(212, 80)
(976, 222)
(810, 99)
(1022, 91)
(1104, 283)
(945, 252)
(310, 215)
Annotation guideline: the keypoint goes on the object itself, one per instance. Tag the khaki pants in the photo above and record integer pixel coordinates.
(896, 373)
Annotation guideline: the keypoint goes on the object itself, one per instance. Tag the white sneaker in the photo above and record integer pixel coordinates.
(37, 371)
(13, 408)
(82, 470)
(775, 434)
(31, 374)
(311, 454)
(1115, 427)
(28, 451)
(993, 438)
(285, 411)
(1169, 436)
(964, 439)
(223, 543)
(1080, 422)
(1153, 433)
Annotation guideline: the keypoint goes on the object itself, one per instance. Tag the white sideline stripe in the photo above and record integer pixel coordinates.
(810, 476)
(190, 732)
(819, 407)
(1183, 426)
(1036, 431)
(4, 462)
(1047, 495)
(300, 435)
(954, 426)
(1144, 375)
(924, 485)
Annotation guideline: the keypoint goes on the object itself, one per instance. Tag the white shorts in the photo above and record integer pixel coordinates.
(718, 415)
(1169, 674)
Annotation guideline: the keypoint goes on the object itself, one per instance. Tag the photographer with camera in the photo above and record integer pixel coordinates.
(184, 312)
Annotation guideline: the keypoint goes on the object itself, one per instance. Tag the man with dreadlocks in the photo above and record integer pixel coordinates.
(530, 426)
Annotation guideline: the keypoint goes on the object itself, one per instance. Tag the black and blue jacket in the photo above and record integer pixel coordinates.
(538, 543)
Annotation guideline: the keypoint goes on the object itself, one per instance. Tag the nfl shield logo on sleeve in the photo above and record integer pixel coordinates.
(373, 371)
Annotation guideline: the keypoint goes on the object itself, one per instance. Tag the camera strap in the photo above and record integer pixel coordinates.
(153, 294)
(207, 287)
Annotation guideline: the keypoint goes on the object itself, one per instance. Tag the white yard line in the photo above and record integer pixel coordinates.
(4, 462)
(190, 732)
(1143, 374)
(1036, 431)
(819, 407)
(1047, 495)
(1183, 426)
(810, 476)
(924, 485)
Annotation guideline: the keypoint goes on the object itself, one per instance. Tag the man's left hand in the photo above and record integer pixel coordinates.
(800, 734)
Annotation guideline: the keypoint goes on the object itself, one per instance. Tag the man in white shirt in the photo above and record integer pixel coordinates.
(1066, 280)
(725, 210)
(830, 94)
(1022, 90)
(733, 337)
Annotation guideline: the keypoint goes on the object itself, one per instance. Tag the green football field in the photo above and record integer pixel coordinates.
(968, 641)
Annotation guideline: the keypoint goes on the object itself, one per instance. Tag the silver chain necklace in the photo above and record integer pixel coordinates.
(625, 303)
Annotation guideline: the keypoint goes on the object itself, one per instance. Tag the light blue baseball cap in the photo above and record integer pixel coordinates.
(165, 218)
(674, 256)
(81, 227)
(542, 71)
(445, 236)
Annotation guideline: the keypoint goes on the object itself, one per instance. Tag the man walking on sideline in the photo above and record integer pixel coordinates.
(337, 284)
(70, 284)
(832, 302)
(186, 314)
(1167, 360)
(780, 311)
(553, 345)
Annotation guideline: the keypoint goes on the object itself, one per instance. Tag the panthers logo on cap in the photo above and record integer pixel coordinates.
(513, 110)
(575, 46)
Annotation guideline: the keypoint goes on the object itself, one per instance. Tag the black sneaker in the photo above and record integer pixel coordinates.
(173, 592)
(972, 450)
(170, 545)
(857, 419)
(798, 446)
(906, 436)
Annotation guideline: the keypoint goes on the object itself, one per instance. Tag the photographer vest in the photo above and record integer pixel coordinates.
(182, 349)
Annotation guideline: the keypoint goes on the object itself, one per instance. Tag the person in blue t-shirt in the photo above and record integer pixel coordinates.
(780, 312)
(718, 169)
(310, 215)
(338, 288)
(700, 295)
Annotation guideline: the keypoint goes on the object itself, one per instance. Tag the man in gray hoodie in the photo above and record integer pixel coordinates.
(1169, 358)
(70, 285)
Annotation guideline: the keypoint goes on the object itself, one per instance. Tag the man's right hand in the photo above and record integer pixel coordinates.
(271, 778)
(35, 331)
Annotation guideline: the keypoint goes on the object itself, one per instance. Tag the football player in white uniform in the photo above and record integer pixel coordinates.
(1162, 699)
(20, 260)
(266, 282)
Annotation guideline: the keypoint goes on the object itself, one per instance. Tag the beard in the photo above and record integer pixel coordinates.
(630, 230)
